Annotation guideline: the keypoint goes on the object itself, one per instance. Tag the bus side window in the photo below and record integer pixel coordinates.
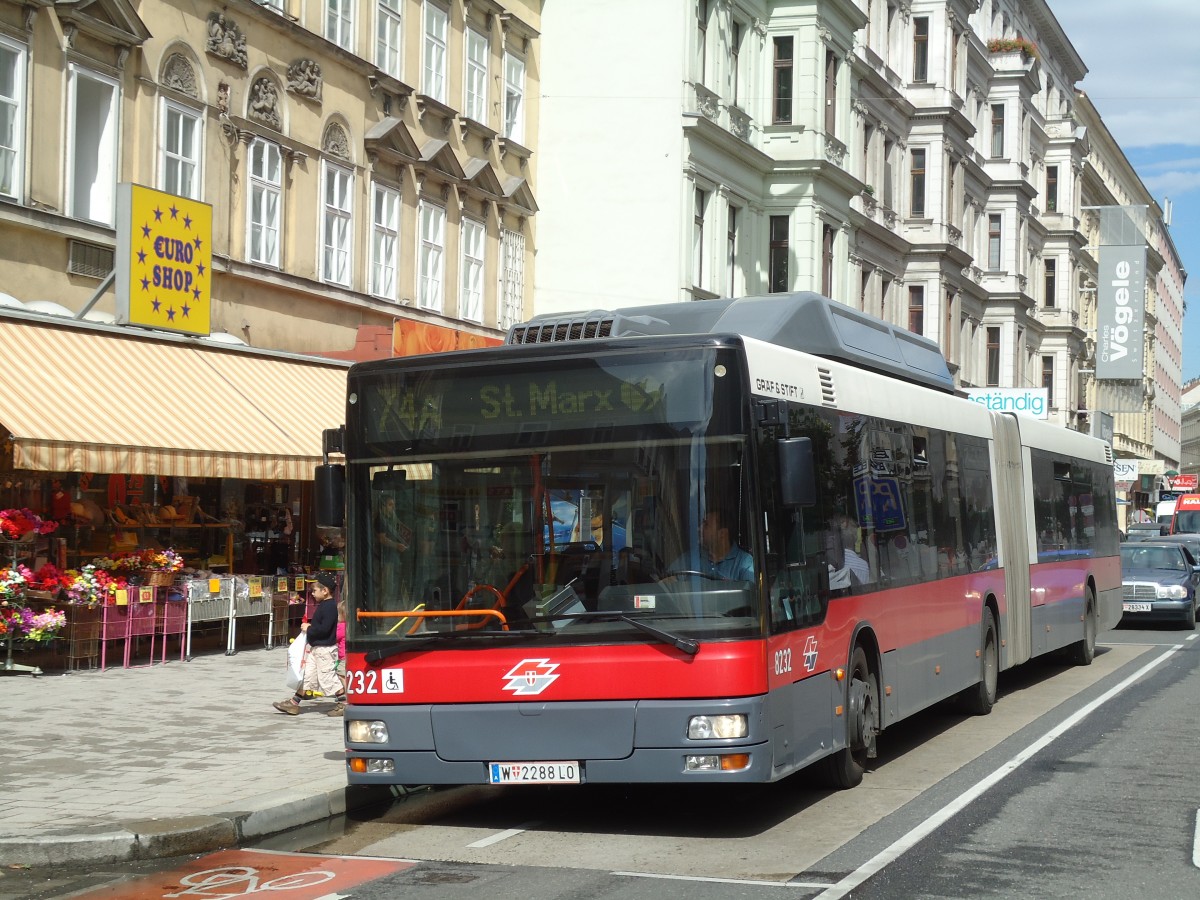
(798, 594)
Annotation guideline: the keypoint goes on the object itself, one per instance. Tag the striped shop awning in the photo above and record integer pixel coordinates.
(80, 399)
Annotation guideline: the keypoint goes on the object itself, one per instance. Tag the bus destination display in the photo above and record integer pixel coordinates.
(416, 404)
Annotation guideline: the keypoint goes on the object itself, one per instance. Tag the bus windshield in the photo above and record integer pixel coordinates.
(644, 516)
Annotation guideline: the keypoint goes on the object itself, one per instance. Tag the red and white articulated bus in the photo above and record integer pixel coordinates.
(702, 542)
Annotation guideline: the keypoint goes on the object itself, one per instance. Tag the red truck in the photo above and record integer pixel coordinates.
(1187, 515)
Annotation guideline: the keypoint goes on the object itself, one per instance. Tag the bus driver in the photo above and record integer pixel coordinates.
(719, 556)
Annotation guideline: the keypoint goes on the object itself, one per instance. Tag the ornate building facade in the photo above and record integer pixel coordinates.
(928, 161)
(366, 162)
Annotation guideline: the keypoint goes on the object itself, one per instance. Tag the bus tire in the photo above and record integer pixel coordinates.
(1081, 653)
(979, 698)
(844, 768)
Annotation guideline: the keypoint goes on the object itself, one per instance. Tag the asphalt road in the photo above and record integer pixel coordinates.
(1080, 783)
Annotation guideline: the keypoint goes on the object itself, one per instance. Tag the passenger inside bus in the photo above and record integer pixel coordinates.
(847, 568)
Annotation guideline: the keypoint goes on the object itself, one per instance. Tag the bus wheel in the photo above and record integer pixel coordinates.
(1083, 652)
(979, 699)
(844, 769)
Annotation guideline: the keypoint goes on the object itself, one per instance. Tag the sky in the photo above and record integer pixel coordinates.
(1143, 63)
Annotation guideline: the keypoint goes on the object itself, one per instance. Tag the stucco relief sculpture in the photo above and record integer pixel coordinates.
(225, 39)
(264, 104)
(304, 78)
(178, 75)
(335, 142)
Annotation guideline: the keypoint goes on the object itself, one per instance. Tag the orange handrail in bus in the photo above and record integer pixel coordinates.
(434, 613)
(415, 625)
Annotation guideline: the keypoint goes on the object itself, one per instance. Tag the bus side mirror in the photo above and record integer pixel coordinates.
(797, 476)
(330, 485)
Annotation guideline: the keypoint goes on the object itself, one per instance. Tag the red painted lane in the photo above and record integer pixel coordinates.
(255, 873)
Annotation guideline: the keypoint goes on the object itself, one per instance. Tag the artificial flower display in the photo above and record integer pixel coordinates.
(20, 524)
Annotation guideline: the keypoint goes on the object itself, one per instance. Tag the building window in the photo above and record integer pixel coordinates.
(701, 39)
(699, 208)
(994, 243)
(1048, 377)
(266, 194)
(385, 241)
(181, 154)
(475, 82)
(777, 263)
(827, 260)
(339, 23)
(1050, 299)
(916, 309)
(735, 65)
(831, 71)
(514, 98)
(993, 356)
(512, 278)
(921, 48)
(434, 79)
(868, 135)
(430, 291)
(92, 142)
(471, 298)
(731, 251)
(782, 95)
(889, 153)
(952, 193)
(955, 40)
(885, 297)
(336, 224)
(948, 327)
(389, 36)
(917, 173)
(997, 130)
(12, 118)
(1051, 188)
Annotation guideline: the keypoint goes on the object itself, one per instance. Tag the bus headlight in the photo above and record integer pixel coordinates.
(362, 731)
(702, 728)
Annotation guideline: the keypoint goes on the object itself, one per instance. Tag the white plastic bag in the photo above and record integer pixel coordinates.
(296, 654)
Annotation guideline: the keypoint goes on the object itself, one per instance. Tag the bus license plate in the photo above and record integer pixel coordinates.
(1136, 607)
(534, 772)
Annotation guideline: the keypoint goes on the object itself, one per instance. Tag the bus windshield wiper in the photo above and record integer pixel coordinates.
(687, 645)
(408, 645)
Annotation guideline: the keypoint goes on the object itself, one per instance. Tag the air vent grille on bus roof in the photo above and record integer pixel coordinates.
(589, 326)
(828, 394)
(544, 331)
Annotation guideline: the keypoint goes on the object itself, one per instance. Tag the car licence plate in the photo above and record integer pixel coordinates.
(533, 772)
(1136, 607)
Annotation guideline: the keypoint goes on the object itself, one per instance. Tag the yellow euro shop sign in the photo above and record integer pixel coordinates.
(164, 260)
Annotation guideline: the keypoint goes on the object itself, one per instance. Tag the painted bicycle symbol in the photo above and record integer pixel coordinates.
(238, 881)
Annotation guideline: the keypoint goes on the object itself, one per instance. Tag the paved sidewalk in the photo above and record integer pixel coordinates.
(163, 760)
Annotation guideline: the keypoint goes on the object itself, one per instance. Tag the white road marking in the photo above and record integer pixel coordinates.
(502, 836)
(783, 884)
(1196, 843)
(890, 854)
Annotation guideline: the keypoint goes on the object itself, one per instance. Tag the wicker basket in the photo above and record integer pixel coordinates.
(154, 578)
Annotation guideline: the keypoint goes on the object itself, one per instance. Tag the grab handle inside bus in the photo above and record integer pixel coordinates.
(797, 477)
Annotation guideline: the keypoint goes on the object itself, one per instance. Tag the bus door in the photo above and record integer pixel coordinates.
(1013, 539)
